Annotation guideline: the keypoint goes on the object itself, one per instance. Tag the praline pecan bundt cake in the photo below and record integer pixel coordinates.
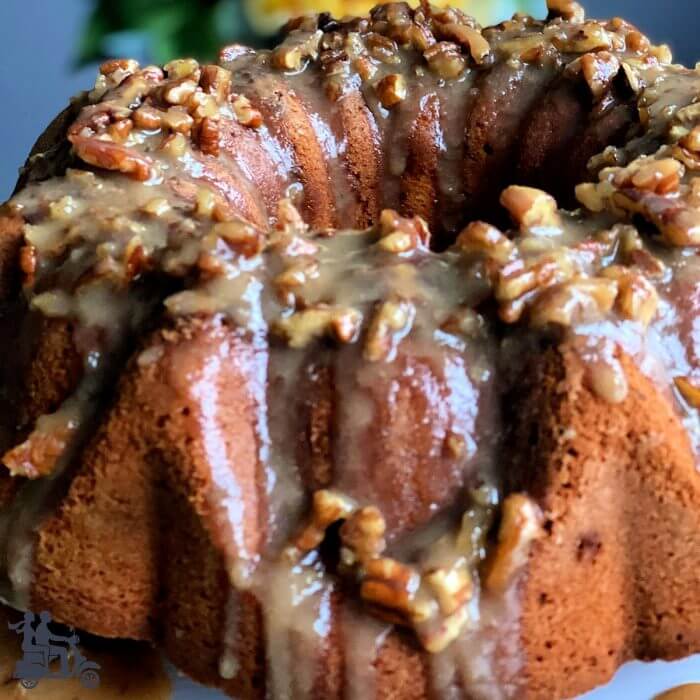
(329, 463)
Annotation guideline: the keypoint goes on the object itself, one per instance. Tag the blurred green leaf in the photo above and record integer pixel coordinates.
(171, 28)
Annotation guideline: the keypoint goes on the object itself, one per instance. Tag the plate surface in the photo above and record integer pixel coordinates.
(635, 681)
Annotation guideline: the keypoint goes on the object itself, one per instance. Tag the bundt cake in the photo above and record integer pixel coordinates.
(254, 412)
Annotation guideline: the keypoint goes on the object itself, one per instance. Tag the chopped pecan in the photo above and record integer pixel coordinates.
(245, 113)
(174, 145)
(302, 327)
(392, 90)
(363, 534)
(637, 298)
(216, 81)
(530, 207)
(445, 60)
(391, 322)
(689, 388)
(208, 136)
(590, 36)
(177, 119)
(569, 10)
(382, 48)
(28, 264)
(576, 300)
(391, 586)
(157, 207)
(39, 454)
(183, 68)
(146, 117)
(327, 507)
(452, 587)
(179, 91)
(483, 239)
(521, 524)
(112, 156)
(437, 637)
(390, 222)
(469, 37)
(244, 238)
(598, 70)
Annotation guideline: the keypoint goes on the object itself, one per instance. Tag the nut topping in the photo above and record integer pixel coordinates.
(529, 207)
(146, 117)
(216, 81)
(245, 113)
(469, 38)
(240, 236)
(328, 507)
(637, 298)
(207, 136)
(391, 586)
(391, 323)
(569, 10)
(598, 70)
(482, 238)
(452, 587)
(178, 92)
(521, 524)
(183, 68)
(590, 36)
(174, 145)
(392, 90)
(27, 264)
(689, 389)
(363, 535)
(111, 156)
(445, 60)
(575, 301)
(296, 49)
(303, 327)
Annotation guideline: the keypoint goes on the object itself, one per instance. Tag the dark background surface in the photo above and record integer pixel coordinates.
(38, 40)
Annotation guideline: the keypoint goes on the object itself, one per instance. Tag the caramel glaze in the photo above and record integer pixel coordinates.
(323, 405)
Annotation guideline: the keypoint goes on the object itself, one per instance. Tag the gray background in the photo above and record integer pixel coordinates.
(37, 39)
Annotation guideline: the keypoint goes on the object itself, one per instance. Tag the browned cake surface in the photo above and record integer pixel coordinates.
(621, 495)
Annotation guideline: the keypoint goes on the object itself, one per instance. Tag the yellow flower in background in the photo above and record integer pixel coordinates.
(267, 16)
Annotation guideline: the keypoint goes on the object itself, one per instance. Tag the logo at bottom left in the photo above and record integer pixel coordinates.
(47, 655)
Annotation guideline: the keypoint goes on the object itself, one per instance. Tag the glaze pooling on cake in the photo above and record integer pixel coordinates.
(322, 407)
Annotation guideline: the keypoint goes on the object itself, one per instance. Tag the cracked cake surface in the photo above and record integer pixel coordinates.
(364, 367)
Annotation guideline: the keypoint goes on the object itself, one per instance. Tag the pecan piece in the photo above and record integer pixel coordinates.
(689, 389)
(208, 136)
(363, 535)
(392, 90)
(569, 10)
(112, 156)
(530, 207)
(521, 524)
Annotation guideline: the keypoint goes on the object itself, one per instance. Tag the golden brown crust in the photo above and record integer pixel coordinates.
(419, 184)
(363, 157)
(549, 132)
(506, 96)
(621, 493)
(287, 117)
(153, 422)
(244, 146)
